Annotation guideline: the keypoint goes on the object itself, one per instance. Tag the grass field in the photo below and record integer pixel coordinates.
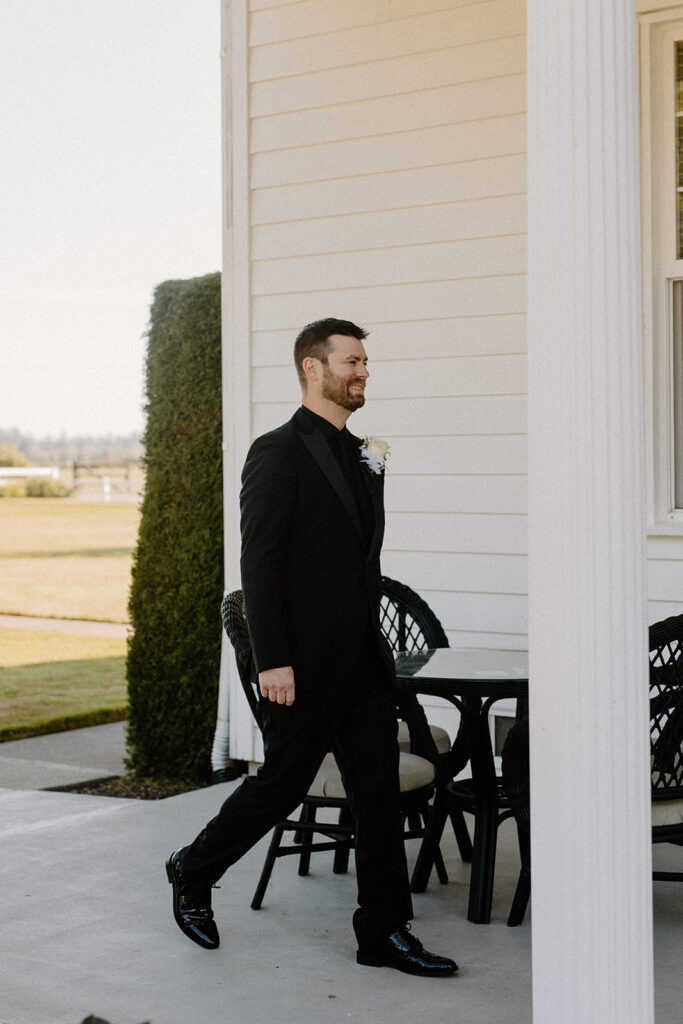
(63, 559)
(66, 559)
(70, 680)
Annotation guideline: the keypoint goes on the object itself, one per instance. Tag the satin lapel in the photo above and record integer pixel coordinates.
(376, 493)
(320, 450)
(375, 485)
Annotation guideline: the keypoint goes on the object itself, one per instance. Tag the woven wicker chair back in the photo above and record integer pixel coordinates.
(666, 707)
(408, 623)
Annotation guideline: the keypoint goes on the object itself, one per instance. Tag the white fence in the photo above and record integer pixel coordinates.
(8, 473)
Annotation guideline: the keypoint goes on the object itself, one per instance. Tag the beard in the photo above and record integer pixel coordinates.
(336, 389)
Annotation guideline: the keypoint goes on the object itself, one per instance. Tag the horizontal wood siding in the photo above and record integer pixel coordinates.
(665, 577)
(446, 67)
(438, 222)
(387, 186)
(371, 34)
(463, 336)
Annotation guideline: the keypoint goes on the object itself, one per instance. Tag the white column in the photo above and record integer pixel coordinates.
(590, 808)
(234, 724)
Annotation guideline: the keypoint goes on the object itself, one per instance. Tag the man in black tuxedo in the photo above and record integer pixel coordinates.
(312, 527)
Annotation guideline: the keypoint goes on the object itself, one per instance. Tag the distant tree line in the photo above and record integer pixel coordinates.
(10, 455)
(109, 449)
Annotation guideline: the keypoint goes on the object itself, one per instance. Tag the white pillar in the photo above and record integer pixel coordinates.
(590, 807)
(234, 724)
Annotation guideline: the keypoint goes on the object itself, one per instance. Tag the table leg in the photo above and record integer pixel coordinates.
(486, 814)
(429, 846)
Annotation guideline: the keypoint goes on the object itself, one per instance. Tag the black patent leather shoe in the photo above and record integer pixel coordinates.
(406, 953)
(193, 916)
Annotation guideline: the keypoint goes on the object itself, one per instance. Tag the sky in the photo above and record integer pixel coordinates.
(110, 162)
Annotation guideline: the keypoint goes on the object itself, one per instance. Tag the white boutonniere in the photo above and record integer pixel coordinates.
(374, 451)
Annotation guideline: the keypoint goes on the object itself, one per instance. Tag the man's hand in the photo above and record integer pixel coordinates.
(277, 684)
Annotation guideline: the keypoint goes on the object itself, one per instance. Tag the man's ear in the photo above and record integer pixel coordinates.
(312, 369)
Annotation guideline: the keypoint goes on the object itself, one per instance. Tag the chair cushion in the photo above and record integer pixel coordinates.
(414, 773)
(439, 735)
(667, 812)
(328, 781)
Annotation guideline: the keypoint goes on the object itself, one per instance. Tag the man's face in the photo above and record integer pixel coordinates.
(345, 372)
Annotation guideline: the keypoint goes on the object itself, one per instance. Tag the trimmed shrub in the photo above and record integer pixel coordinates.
(45, 487)
(17, 489)
(174, 654)
(10, 455)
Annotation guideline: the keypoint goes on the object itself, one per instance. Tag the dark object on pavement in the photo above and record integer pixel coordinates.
(99, 1020)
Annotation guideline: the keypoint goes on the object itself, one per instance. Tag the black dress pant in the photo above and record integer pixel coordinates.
(357, 721)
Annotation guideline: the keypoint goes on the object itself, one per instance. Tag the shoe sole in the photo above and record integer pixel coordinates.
(169, 872)
(369, 961)
(366, 960)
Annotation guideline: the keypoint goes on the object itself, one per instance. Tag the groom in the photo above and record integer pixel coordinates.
(312, 526)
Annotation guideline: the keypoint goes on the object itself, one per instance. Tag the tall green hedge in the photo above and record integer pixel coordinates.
(174, 653)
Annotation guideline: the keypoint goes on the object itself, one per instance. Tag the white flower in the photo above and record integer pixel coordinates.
(374, 451)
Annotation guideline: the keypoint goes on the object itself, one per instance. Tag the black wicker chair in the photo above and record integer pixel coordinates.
(452, 800)
(406, 622)
(666, 757)
(666, 735)
(515, 775)
(409, 624)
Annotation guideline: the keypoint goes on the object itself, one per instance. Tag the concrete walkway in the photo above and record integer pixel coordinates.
(87, 924)
(85, 627)
(63, 758)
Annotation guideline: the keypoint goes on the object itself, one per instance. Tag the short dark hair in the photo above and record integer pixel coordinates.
(314, 341)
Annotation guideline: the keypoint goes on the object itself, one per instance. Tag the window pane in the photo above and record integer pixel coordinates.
(678, 392)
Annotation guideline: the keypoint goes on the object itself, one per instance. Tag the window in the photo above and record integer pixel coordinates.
(662, 173)
(677, 380)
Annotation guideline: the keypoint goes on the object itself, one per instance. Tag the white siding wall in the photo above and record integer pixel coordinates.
(386, 168)
(375, 171)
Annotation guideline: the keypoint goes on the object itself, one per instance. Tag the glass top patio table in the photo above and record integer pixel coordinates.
(476, 671)
(472, 679)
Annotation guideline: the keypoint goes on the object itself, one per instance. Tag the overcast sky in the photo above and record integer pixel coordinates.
(110, 171)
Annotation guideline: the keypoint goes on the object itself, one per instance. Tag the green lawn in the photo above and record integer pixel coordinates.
(66, 559)
(63, 559)
(51, 681)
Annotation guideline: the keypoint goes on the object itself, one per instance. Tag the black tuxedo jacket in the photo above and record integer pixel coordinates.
(311, 583)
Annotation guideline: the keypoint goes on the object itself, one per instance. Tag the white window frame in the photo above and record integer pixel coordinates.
(658, 32)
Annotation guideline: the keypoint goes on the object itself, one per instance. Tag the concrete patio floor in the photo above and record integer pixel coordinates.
(87, 928)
